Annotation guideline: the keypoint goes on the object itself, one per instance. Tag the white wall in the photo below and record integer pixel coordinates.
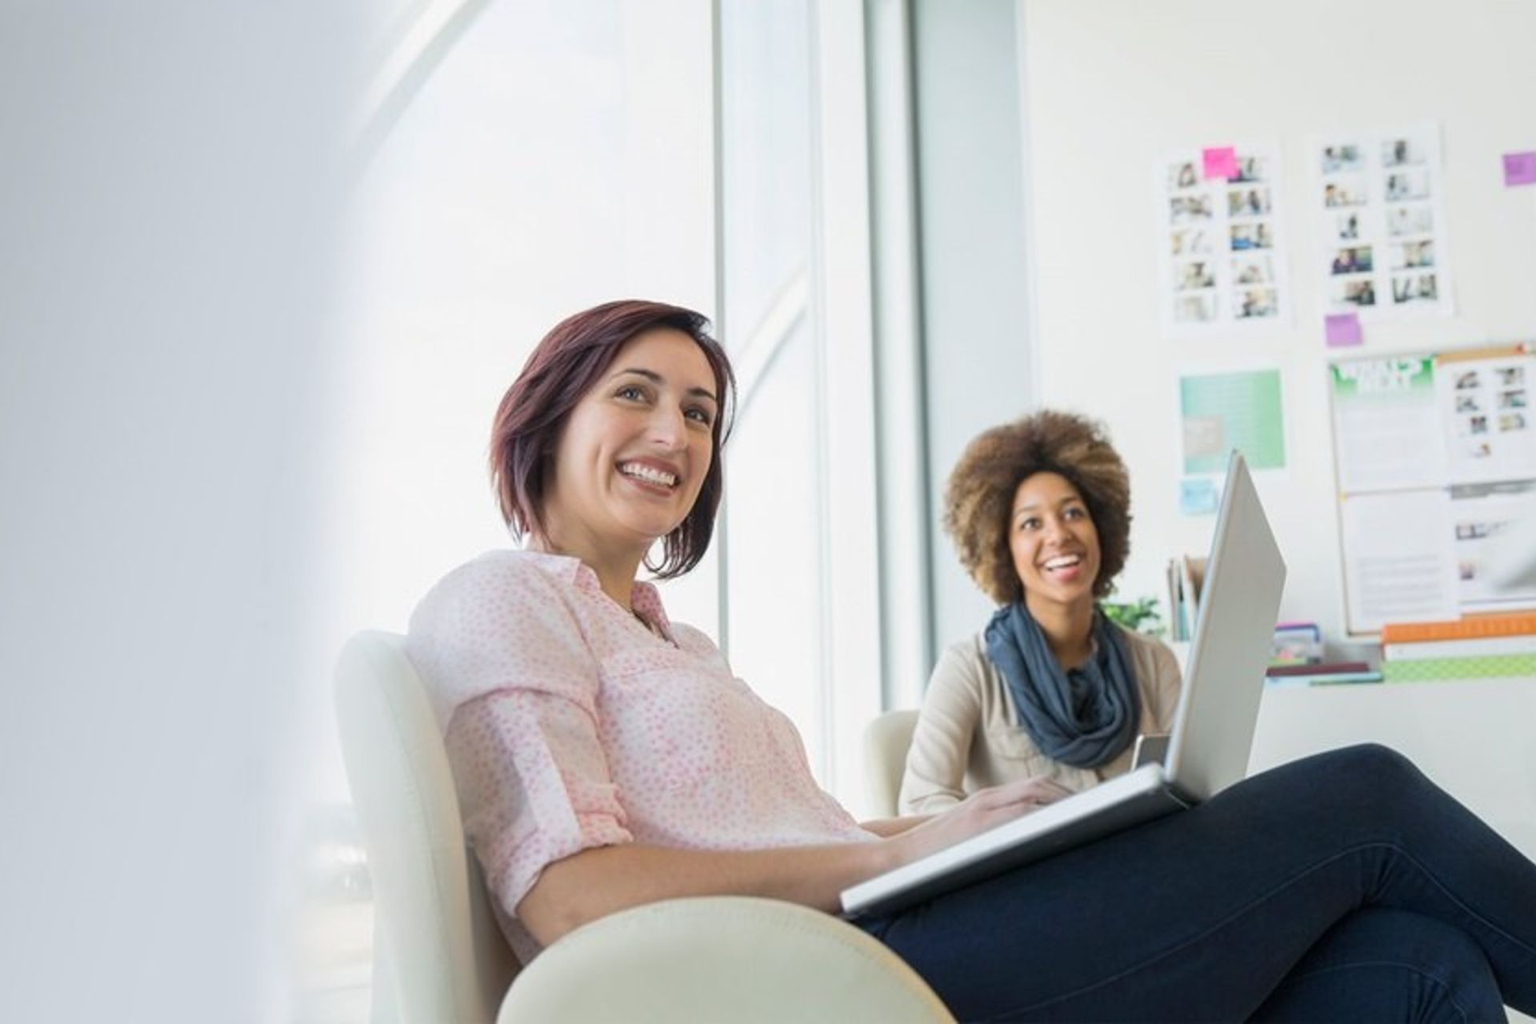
(1110, 85)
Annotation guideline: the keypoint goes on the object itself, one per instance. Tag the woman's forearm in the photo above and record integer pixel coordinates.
(596, 882)
(886, 827)
(593, 883)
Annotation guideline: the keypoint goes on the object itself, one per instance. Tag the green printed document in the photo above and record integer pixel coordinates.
(1224, 411)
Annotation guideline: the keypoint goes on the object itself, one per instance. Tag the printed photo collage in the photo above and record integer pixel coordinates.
(1485, 405)
(1383, 225)
(1382, 231)
(1489, 402)
(1222, 259)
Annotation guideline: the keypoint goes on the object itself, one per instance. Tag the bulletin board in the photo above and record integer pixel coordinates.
(1434, 457)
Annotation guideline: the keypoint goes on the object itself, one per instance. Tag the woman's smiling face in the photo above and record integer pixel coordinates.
(1054, 543)
(636, 448)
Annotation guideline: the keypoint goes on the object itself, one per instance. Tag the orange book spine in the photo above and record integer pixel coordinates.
(1473, 627)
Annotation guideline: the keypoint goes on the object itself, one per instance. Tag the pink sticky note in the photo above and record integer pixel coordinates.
(1520, 168)
(1220, 162)
(1343, 329)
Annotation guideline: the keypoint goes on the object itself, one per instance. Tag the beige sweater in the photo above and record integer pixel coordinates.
(968, 736)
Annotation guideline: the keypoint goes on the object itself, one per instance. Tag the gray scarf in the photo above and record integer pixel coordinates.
(1083, 717)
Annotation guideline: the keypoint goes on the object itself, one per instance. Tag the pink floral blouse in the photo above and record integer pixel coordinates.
(570, 724)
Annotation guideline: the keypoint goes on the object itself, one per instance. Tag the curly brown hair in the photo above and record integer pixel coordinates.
(979, 497)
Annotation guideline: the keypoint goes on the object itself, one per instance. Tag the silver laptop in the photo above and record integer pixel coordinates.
(1208, 746)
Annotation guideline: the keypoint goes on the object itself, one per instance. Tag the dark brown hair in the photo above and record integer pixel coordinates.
(979, 498)
(559, 373)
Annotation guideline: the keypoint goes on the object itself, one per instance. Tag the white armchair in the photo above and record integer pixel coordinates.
(440, 957)
(886, 741)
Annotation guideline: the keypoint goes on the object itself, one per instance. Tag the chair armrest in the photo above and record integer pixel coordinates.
(719, 958)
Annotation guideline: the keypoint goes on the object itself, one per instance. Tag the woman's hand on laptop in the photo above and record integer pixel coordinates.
(982, 810)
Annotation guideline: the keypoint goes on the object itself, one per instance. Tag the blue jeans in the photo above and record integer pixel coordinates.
(1345, 886)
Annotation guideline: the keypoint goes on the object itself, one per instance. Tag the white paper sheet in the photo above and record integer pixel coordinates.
(1482, 516)
(1398, 565)
(1387, 429)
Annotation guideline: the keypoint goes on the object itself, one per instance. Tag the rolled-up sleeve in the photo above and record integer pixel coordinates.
(511, 675)
(533, 786)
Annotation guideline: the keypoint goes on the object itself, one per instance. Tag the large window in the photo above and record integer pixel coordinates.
(774, 544)
(801, 574)
(560, 155)
(557, 155)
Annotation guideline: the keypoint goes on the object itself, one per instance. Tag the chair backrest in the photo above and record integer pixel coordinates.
(439, 955)
(886, 740)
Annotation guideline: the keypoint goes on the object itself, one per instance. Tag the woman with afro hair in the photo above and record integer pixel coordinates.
(1051, 689)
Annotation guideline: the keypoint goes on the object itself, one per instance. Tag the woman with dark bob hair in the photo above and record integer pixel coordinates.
(1040, 510)
(606, 757)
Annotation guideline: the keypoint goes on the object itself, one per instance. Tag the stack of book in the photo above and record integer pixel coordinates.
(1296, 643)
(1296, 659)
(1321, 674)
(1474, 647)
(1186, 575)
